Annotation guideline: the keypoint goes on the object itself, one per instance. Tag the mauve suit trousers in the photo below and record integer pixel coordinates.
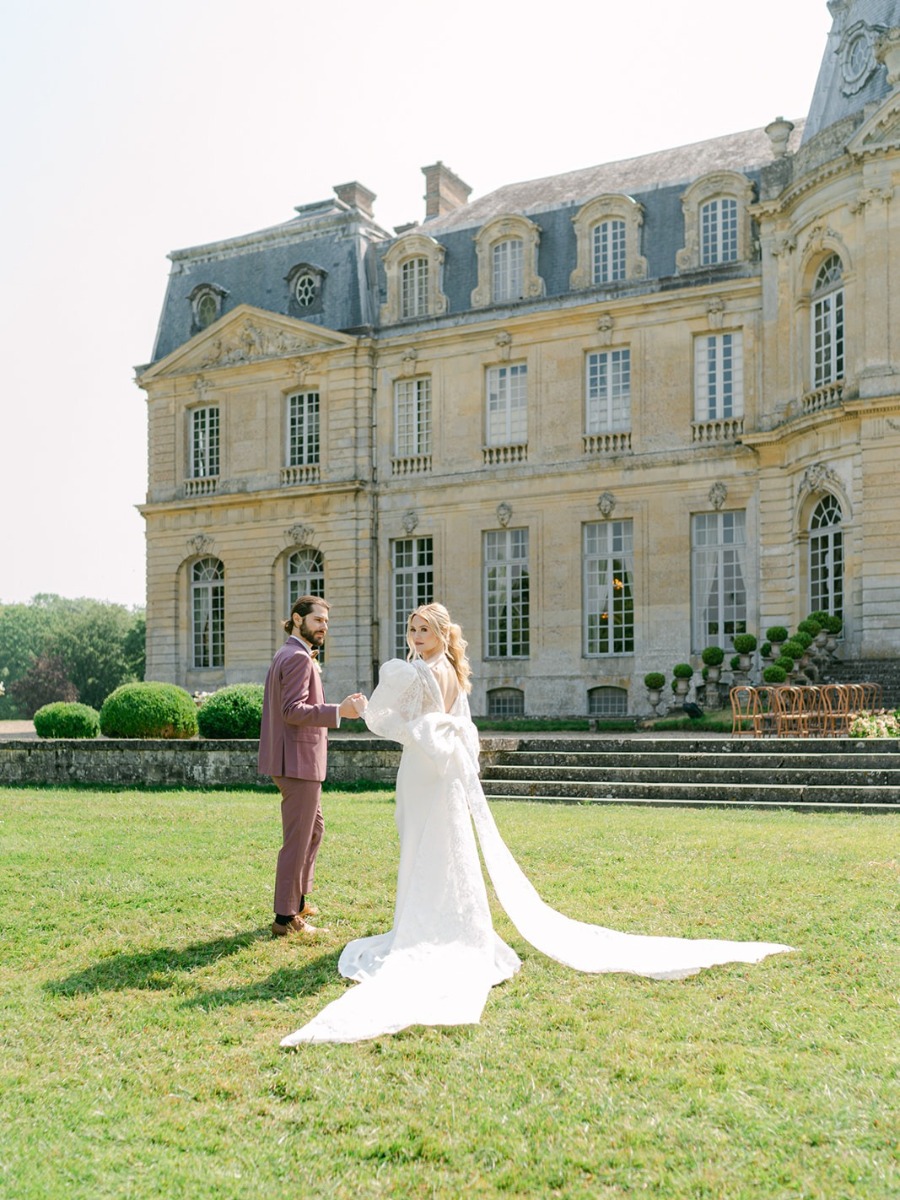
(293, 745)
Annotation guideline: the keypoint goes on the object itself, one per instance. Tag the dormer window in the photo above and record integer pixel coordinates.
(305, 284)
(413, 267)
(507, 250)
(716, 221)
(608, 236)
(206, 306)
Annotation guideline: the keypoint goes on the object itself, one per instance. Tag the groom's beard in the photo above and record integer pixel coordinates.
(315, 638)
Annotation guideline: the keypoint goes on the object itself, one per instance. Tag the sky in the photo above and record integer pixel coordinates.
(136, 127)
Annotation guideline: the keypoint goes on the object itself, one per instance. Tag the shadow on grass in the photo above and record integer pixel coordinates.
(155, 969)
(287, 983)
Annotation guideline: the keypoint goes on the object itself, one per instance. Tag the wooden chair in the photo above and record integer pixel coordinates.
(790, 715)
(744, 711)
(813, 707)
(835, 701)
(872, 696)
(765, 719)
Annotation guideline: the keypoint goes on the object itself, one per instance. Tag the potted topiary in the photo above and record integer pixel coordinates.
(815, 630)
(654, 682)
(744, 644)
(713, 657)
(793, 649)
(777, 635)
(833, 626)
(765, 651)
(774, 675)
(683, 673)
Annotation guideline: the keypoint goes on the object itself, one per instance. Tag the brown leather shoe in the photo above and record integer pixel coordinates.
(296, 924)
(308, 910)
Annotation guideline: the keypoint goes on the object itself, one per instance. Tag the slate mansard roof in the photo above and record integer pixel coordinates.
(346, 245)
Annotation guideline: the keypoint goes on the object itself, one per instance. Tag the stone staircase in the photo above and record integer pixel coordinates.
(807, 774)
(885, 671)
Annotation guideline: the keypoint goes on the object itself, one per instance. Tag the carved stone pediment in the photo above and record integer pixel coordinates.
(880, 133)
(246, 335)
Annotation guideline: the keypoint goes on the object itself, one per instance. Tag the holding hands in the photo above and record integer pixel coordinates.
(353, 706)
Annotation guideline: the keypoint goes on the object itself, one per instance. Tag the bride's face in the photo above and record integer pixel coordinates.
(424, 641)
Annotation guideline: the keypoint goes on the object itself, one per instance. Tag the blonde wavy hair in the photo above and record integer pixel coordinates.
(448, 634)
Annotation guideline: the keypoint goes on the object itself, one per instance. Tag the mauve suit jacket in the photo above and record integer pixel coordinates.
(293, 739)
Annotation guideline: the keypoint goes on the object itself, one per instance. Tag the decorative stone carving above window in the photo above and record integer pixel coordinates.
(413, 267)
(606, 503)
(717, 189)
(501, 229)
(410, 520)
(300, 535)
(200, 543)
(608, 208)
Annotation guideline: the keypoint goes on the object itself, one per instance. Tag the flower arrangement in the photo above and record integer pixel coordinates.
(878, 724)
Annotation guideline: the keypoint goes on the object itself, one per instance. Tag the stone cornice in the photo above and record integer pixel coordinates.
(238, 498)
(291, 233)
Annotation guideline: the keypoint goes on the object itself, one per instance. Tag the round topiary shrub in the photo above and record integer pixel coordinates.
(682, 670)
(654, 680)
(735, 662)
(713, 656)
(793, 649)
(765, 650)
(777, 633)
(67, 720)
(744, 643)
(802, 638)
(232, 712)
(774, 674)
(810, 627)
(833, 624)
(148, 710)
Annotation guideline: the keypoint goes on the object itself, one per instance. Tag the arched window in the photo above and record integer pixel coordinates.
(207, 310)
(506, 702)
(507, 258)
(827, 332)
(718, 231)
(414, 288)
(826, 558)
(607, 702)
(608, 258)
(305, 574)
(208, 613)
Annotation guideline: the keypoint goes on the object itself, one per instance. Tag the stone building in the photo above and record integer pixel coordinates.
(609, 417)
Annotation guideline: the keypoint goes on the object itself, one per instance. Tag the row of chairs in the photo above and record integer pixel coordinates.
(787, 710)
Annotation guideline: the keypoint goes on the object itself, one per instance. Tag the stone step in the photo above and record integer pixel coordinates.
(631, 747)
(584, 760)
(692, 801)
(713, 773)
(885, 799)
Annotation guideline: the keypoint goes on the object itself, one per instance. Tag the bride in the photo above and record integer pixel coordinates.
(442, 957)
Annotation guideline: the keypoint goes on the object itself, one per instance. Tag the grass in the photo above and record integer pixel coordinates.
(142, 1001)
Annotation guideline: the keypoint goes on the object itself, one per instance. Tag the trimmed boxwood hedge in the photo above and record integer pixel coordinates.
(148, 710)
(232, 712)
(63, 719)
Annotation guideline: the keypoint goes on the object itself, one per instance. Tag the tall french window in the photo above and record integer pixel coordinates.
(208, 613)
(608, 607)
(412, 566)
(506, 593)
(718, 571)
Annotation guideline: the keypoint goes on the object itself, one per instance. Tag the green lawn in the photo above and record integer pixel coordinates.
(142, 1001)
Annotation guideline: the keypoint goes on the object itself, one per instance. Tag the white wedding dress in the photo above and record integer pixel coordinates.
(442, 957)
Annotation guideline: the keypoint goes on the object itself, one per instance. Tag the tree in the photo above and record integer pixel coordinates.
(91, 643)
(44, 682)
(22, 634)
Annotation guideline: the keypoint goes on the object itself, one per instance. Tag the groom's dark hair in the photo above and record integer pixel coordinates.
(303, 606)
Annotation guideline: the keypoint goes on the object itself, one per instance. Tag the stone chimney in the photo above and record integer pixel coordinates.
(444, 191)
(355, 196)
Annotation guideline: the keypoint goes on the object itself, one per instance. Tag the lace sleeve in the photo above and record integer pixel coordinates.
(397, 701)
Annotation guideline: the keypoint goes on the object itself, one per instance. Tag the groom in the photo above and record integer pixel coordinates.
(293, 749)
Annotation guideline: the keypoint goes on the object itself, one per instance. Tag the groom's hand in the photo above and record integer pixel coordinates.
(353, 706)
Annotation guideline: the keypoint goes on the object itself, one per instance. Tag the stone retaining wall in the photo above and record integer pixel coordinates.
(197, 763)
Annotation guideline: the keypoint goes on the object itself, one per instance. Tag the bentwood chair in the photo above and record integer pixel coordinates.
(744, 711)
(790, 714)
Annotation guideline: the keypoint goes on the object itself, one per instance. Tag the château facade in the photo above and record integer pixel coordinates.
(609, 417)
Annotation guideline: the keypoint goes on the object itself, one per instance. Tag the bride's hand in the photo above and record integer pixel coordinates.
(360, 703)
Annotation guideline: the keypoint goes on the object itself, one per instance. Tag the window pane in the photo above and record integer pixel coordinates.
(718, 231)
(412, 417)
(208, 613)
(506, 593)
(414, 288)
(718, 570)
(507, 260)
(609, 251)
(204, 442)
(607, 575)
(608, 390)
(826, 558)
(303, 429)
(507, 405)
(412, 560)
(718, 376)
